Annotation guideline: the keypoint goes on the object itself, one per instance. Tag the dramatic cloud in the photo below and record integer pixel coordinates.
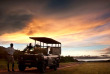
(17, 14)
(68, 8)
(13, 21)
(75, 23)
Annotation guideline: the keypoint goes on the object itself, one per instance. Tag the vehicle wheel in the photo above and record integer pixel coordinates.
(50, 67)
(55, 67)
(21, 67)
(42, 67)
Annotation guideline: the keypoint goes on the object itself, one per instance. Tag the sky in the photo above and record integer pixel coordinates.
(82, 26)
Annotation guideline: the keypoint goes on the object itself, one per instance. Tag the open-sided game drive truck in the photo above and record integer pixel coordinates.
(46, 54)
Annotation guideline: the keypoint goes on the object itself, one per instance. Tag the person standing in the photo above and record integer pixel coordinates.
(10, 57)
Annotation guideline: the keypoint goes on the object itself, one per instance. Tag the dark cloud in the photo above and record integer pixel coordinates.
(15, 14)
(105, 16)
(13, 20)
(58, 5)
(70, 8)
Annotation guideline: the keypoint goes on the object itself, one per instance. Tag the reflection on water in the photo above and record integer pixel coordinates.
(93, 59)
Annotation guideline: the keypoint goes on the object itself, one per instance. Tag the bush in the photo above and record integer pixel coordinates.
(67, 59)
(3, 52)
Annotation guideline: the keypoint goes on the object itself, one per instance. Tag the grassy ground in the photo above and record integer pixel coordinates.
(85, 68)
(3, 65)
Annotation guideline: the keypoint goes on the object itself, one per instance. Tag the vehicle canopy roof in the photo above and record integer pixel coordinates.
(45, 40)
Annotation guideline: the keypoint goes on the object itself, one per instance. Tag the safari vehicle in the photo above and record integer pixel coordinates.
(46, 54)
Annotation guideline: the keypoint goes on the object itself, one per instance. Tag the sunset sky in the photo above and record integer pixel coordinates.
(82, 26)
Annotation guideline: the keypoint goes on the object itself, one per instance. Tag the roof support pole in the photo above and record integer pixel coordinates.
(51, 45)
(43, 44)
(47, 44)
(58, 45)
(40, 44)
(35, 42)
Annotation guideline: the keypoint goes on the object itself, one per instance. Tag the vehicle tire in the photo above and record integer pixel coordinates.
(55, 67)
(42, 70)
(50, 67)
(21, 67)
(42, 67)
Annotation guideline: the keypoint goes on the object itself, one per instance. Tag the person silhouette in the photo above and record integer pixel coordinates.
(10, 57)
(29, 47)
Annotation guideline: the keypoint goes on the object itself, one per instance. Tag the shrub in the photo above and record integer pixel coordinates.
(67, 59)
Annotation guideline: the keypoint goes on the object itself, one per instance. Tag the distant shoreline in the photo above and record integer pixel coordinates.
(93, 59)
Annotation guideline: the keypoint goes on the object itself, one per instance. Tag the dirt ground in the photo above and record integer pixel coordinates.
(35, 71)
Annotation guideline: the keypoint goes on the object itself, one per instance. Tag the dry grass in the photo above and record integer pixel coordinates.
(3, 64)
(86, 68)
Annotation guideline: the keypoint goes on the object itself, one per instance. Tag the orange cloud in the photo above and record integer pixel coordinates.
(68, 30)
